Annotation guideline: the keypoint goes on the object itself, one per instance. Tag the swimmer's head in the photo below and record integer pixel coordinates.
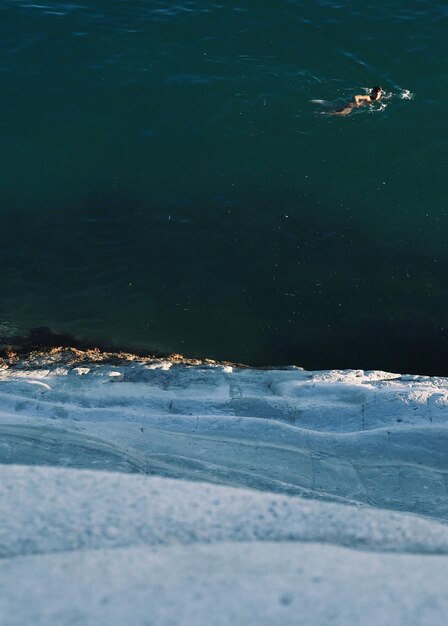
(376, 93)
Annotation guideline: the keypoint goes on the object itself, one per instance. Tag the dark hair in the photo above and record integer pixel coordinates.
(375, 91)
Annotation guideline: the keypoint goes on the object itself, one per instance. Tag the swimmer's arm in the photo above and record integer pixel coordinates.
(360, 99)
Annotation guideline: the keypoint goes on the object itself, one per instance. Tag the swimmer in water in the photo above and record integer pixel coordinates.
(358, 101)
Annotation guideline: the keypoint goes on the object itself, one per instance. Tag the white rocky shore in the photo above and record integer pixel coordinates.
(159, 492)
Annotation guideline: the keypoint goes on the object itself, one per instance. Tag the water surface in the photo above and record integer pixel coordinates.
(166, 181)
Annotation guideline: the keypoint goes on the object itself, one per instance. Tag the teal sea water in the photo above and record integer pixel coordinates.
(168, 183)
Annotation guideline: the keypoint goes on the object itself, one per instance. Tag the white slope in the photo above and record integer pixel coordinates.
(347, 436)
(53, 510)
(82, 546)
(225, 584)
(105, 549)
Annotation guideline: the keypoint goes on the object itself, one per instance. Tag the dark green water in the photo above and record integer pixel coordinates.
(167, 183)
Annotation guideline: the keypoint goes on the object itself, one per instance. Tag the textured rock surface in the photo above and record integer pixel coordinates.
(348, 436)
(301, 497)
(224, 584)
